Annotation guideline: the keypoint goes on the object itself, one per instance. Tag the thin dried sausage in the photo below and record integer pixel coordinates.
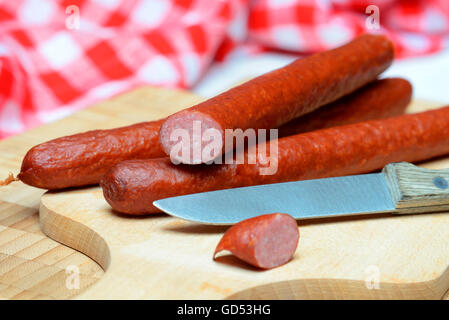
(274, 98)
(132, 186)
(381, 99)
(82, 159)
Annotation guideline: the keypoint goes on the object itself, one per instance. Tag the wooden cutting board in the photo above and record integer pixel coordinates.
(33, 266)
(163, 257)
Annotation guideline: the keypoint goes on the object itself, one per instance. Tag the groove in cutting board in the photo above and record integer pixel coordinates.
(33, 266)
(19, 203)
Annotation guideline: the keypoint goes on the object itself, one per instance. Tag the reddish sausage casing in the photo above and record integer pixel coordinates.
(276, 97)
(266, 241)
(82, 159)
(380, 99)
(132, 186)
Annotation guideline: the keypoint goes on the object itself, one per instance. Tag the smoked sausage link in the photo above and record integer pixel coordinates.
(82, 159)
(276, 97)
(378, 100)
(132, 186)
(266, 241)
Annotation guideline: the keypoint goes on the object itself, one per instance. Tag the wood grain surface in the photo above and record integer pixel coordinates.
(163, 257)
(33, 266)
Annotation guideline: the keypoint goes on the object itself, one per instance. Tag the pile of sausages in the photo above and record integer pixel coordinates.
(335, 117)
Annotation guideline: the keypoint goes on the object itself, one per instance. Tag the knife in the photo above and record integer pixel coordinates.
(401, 188)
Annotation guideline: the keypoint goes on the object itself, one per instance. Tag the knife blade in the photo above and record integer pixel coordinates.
(382, 192)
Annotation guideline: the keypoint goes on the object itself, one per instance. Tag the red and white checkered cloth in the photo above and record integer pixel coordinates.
(59, 56)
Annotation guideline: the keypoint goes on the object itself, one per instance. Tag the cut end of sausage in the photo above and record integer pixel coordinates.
(279, 244)
(192, 138)
(266, 241)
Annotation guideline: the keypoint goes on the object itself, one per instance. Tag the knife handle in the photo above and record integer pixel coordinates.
(416, 189)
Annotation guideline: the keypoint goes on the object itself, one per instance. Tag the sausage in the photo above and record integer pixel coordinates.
(83, 159)
(274, 98)
(132, 186)
(381, 99)
(266, 241)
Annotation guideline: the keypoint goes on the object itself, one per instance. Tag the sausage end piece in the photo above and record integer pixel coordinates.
(83, 158)
(267, 241)
(125, 182)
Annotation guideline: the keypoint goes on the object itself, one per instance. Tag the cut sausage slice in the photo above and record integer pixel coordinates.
(266, 241)
(274, 98)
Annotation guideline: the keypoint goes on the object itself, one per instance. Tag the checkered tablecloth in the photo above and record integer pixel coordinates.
(57, 56)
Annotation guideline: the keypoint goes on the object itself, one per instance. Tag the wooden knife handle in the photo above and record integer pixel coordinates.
(416, 189)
